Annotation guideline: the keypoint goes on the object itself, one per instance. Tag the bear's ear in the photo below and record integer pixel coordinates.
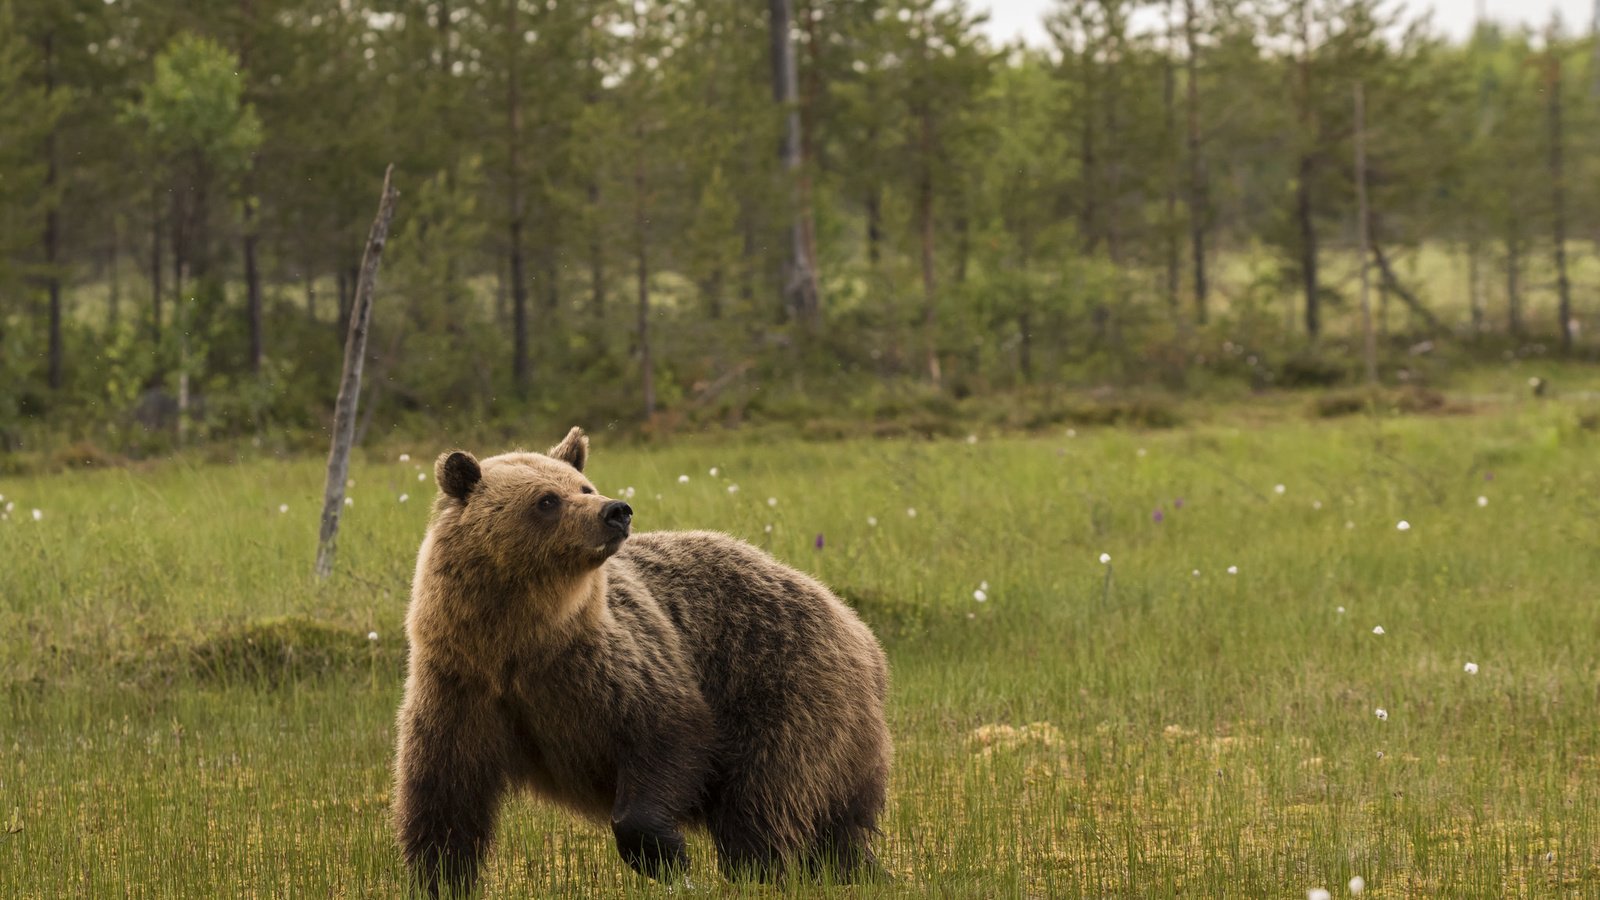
(457, 473)
(573, 449)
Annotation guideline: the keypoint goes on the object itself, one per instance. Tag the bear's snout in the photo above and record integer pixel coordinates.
(617, 515)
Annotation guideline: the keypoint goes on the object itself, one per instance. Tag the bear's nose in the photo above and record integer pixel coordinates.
(617, 514)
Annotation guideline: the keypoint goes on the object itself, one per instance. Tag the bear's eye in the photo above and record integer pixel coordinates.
(549, 502)
(586, 489)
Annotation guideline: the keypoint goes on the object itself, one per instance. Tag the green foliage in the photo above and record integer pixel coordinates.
(1026, 216)
(193, 106)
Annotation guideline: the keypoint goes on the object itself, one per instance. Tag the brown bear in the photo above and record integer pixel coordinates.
(656, 681)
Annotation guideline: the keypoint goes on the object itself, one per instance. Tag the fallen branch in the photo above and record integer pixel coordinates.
(1392, 282)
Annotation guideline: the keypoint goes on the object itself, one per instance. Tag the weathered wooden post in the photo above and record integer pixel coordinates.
(355, 350)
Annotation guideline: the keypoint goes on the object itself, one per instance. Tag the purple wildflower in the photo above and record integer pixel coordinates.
(1178, 503)
(819, 540)
(1157, 516)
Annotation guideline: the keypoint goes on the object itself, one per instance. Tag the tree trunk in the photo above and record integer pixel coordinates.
(502, 282)
(155, 272)
(519, 287)
(114, 296)
(1475, 284)
(1305, 217)
(52, 226)
(1308, 246)
(252, 285)
(1025, 312)
(597, 263)
(1369, 345)
(552, 283)
(874, 225)
(1199, 203)
(1558, 199)
(1088, 161)
(342, 282)
(800, 277)
(647, 380)
(252, 274)
(930, 306)
(1169, 105)
(963, 247)
(1513, 285)
(355, 352)
(311, 293)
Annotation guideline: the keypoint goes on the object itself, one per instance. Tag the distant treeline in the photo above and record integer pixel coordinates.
(649, 209)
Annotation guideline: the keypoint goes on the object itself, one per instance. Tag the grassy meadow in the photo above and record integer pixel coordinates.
(187, 712)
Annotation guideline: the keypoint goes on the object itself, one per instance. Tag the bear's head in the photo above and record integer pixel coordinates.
(526, 516)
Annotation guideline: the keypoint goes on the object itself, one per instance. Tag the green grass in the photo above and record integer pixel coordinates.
(187, 712)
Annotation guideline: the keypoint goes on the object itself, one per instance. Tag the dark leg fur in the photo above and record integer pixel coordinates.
(450, 777)
(658, 782)
(842, 851)
(653, 848)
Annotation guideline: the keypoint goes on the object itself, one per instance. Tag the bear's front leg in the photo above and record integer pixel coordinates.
(450, 774)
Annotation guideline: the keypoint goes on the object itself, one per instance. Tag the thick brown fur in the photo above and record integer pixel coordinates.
(670, 679)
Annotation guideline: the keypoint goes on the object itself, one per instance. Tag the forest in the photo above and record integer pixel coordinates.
(653, 213)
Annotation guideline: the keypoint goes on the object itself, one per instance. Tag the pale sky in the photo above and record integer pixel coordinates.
(1009, 19)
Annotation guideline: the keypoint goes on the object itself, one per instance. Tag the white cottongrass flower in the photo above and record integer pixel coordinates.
(10, 505)
(627, 492)
(1470, 668)
(1072, 432)
(1196, 573)
(283, 507)
(1482, 500)
(1403, 526)
(733, 489)
(768, 529)
(1318, 894)
(349, 501)
(372, 636)
(1316, 504)
(712, 472)
(980, 595)
(772, 501)
(911, 512)
(1357, 885)
(983, 585)
(1377, 629)
(1349, 526)
(1382, 714)
(38, 514)
(422, 476)
(1105, 559)
(683, 479)
(349, 483)
(405, 457)
(872, 521)
(1233, 570)
(404, 497)
(972, 439)
(1340, 610)
(1278, 489)
(1141, 451)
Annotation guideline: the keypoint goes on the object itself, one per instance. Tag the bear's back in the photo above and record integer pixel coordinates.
(770, 644)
